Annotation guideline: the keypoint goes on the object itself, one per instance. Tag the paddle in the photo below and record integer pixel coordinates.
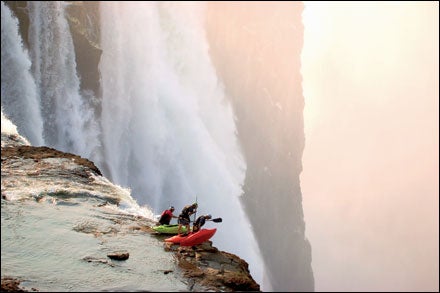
(195, 213)
(216, 220)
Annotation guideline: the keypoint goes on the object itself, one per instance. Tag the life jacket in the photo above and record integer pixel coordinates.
(186, 211)
(165, 218)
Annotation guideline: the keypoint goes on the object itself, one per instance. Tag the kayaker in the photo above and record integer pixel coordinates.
(200, 221)
(184, 219)
(166, 216)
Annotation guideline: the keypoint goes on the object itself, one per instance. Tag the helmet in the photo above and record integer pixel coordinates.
(171, 208)
(195, 204)
(208, 216)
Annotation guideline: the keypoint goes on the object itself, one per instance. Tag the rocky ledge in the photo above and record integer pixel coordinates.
(208, 267)
(203, 266)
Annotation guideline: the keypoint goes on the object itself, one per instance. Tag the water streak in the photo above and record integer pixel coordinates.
(69, 123)
(18, 90)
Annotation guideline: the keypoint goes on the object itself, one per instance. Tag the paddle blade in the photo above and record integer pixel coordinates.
(217, 220)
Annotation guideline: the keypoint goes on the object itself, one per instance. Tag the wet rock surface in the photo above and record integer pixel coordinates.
(11, 285)
(204, 267)
(39, 153)
(217, 270)
(119, 255)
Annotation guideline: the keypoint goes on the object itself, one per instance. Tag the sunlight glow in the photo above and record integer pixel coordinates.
(370, 178)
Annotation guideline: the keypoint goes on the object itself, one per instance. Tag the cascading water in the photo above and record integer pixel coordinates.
(166, 129)
(69, 124)
(18, 89)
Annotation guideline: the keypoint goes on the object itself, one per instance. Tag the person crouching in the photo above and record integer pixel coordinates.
(200, 221)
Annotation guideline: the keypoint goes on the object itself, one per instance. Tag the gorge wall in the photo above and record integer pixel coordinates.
(256, 49)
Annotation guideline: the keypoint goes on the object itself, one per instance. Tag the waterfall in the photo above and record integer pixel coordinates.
(165, 129)
(168, 128)
(19, 96)
(69, 123)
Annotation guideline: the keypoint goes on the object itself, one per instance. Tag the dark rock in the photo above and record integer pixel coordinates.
(83, 17)
(207, 267)
(119, 255)
(11, 285)
(38, 153)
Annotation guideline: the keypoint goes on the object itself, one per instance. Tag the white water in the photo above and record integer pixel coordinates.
(167, 131)
(18, 91)
(69, 124)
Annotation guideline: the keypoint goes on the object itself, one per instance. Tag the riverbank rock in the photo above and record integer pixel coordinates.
(118, 255)
(12, 285)
(205, 266)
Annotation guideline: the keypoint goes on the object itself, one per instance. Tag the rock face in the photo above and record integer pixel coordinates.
(216, 270)
(256, 50)
(204, 267)
(39, 153)
(83, 19)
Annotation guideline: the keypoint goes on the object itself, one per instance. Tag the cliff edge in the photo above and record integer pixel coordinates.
(202, 267)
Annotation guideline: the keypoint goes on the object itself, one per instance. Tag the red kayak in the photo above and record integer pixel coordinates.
(193, 238)
(175, 239)
(198, 237)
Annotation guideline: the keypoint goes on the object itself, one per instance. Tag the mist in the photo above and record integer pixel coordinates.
(370, 179)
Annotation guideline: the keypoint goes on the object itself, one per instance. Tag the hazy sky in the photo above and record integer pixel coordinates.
(370, 181)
